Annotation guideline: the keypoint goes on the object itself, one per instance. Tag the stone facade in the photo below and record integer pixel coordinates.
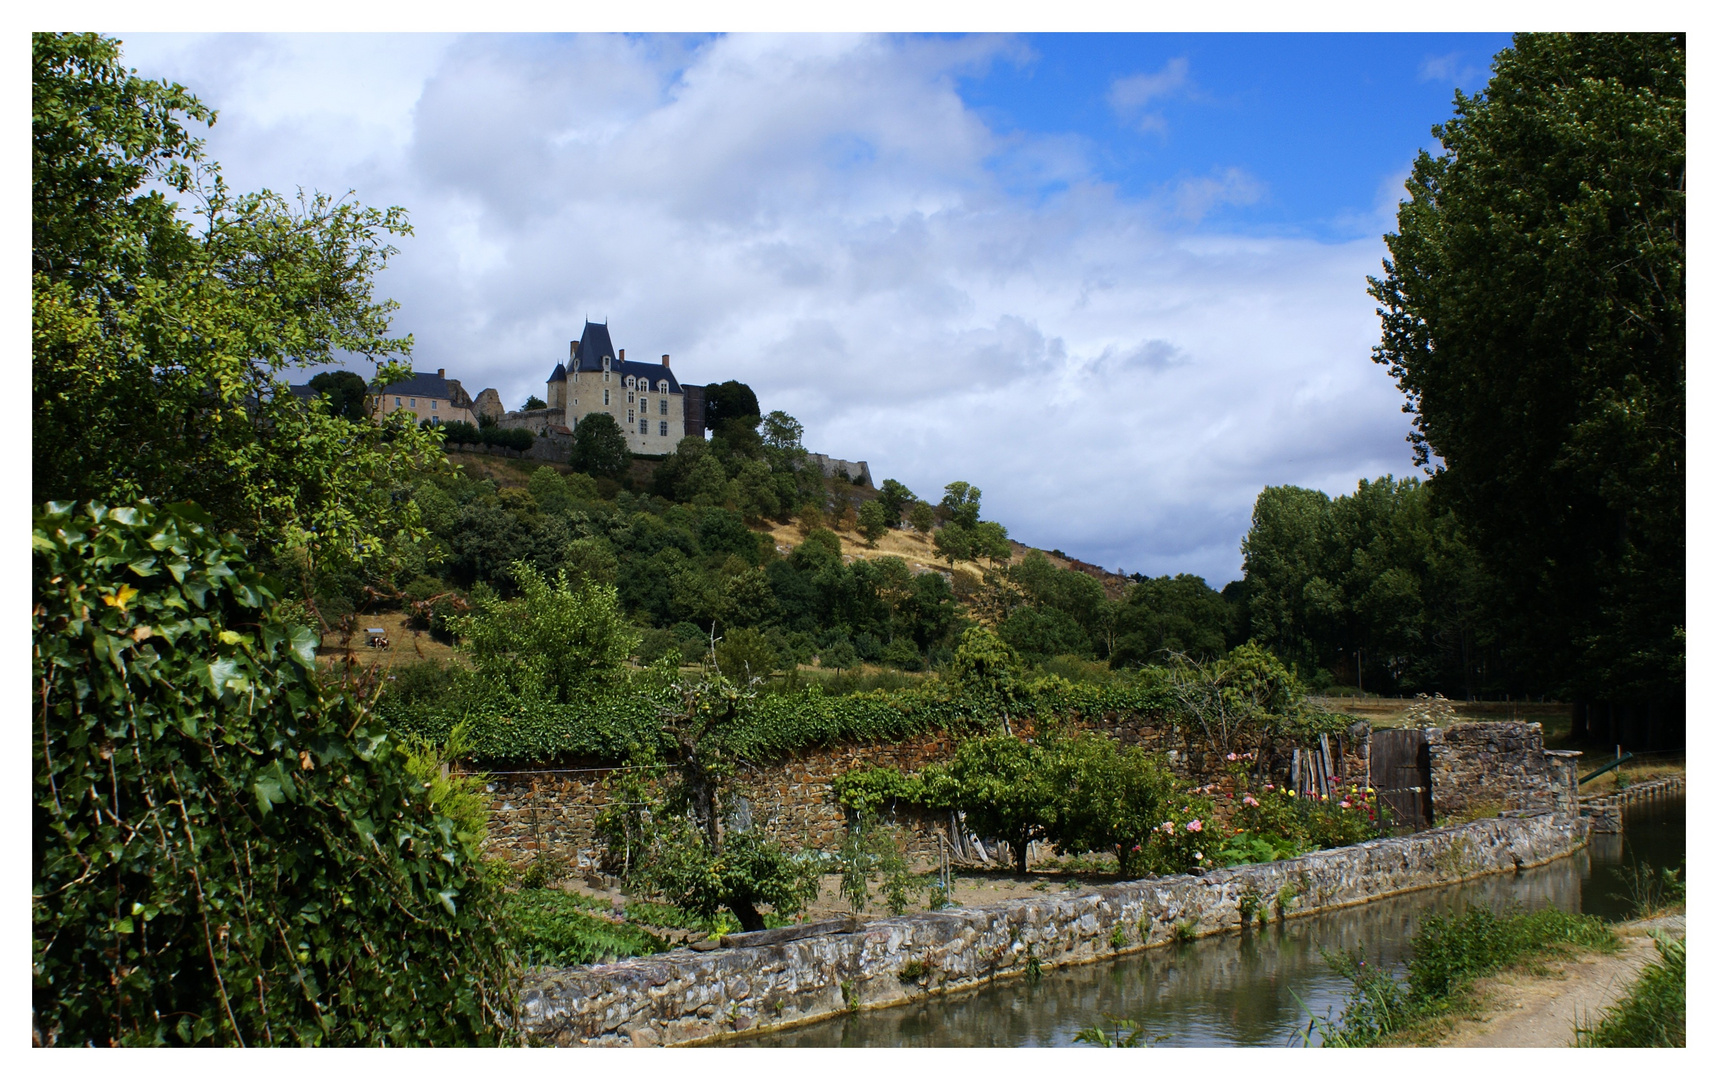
(831, 467)
(1503, 764)
(688, 997)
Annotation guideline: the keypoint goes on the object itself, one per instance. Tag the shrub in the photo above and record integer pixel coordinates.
(229, 851)
(460, 432)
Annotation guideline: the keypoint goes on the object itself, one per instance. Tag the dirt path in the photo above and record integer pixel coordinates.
(1523, 1009)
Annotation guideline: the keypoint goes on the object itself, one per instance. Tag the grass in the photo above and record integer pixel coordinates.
(1449, 952)
(1655, 1012)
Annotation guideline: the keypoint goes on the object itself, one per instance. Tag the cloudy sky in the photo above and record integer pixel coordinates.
(1116, 281)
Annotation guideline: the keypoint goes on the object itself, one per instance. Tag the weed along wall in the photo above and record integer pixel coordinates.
(764, 982)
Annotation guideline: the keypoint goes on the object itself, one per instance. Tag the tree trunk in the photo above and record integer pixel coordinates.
(1020, 848)
(1578, 720)
(747, 913)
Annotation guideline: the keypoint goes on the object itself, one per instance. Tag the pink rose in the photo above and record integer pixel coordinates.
(1232, 756)
(1249, 801)
(1345, 804)
(1195, 825)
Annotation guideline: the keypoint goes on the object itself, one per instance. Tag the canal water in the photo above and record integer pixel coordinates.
(1255, 988)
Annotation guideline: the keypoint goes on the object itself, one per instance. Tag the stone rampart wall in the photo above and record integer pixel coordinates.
(1499, 763)
(686, 997)
(553, 809)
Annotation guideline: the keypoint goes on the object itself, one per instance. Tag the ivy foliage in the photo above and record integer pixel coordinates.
(227, 850)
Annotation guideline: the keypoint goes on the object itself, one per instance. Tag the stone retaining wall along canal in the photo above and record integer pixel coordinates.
(685, 997)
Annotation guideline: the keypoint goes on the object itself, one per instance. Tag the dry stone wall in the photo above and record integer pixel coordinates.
(554, 808)
(1504, 764)
(688, 997)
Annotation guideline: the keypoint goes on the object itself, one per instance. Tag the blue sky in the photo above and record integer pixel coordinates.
(1319, 120)
(1116, 281)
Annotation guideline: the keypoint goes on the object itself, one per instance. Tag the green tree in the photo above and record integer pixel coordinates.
(599, 446)
(535, 402)
(744, 654)
(960, 504)
(730, 404)
(1007, 789)
(953, 543)
(922, 517)
(873, 521)
(1108, 799)
(556, 640)
(1534, 314)
(159, 337)
(895, 498)
(346, 394)
(228, 850)
(1170, 615)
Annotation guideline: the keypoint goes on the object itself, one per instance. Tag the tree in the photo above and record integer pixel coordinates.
(599, 446)
(1533, 308)
(159, 337)
(1170, 615)
(730, 404)
(960, 504)
(873, 521)
(953, 542)
(227, 848)
(743, 655)
(1109, 799)
(556, 640)
(346, 394)
(535, 402)
(895, 498)
(923, 518)
(1006, 788)
(782, 433)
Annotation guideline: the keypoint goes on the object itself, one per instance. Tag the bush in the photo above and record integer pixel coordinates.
(746, 654)
(229, 851)
(460, 432)
(551, 928)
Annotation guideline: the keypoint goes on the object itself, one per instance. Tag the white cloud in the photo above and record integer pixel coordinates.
(823, 218)
(1454, 69)
(1130, 94)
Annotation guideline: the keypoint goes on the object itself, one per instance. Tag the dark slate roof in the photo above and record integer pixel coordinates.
(423, 385)
(303, 391)
(595, 344)
(559, 374)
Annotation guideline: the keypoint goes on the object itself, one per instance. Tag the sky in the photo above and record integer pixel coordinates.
(1117, 281)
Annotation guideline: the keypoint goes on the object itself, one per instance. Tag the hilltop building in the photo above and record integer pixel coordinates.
(645, 399)
(436, 398)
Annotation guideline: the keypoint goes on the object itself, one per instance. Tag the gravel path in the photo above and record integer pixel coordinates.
(1523, 1010)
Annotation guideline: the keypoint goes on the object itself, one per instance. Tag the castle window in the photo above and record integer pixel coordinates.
(662, 427)
(434, 404)
(629, 397)
(605, 397)
(644, 427)
(629, 416)
(664, 407)
(396, 403)
(414, 403)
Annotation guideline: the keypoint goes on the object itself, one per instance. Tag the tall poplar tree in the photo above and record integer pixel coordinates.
(1533, 310)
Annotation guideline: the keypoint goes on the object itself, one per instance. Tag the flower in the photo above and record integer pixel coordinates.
(1270, 787)
(1233, 756)
(1195, 825)
(1199, 855)
(1248, 800)
(1345, 804)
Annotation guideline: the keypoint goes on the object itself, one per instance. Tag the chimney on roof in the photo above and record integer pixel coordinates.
(622, 356)
(664, 359)
(441, 373)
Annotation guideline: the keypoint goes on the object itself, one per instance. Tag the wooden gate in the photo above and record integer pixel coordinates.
(1402, 775)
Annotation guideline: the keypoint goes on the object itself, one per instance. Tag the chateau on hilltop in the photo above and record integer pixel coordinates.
(646, 400)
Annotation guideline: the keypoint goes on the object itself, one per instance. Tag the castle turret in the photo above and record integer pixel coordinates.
(557, 394)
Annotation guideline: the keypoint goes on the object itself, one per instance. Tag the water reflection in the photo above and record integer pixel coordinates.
(1250, 989)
